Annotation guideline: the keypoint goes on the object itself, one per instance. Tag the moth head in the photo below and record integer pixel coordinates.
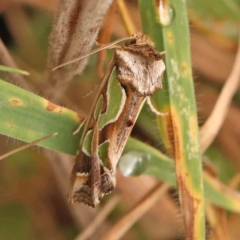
(143, 39)
(139, 39)
(130, 42)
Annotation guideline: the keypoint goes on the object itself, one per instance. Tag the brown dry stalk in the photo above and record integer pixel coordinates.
(26, 43)
(128, 23)
(100, 217)
(212, 61)
(235, 182)
(105, 36)
(121, 227)
(213, 124)
(75, 30)
(218, 220)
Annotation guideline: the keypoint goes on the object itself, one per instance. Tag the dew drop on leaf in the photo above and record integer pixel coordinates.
(133, 163)
(166, 14)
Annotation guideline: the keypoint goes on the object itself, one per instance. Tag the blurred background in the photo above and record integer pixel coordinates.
(33, 203)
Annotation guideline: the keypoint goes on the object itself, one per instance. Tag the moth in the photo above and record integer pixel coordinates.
(139, 70)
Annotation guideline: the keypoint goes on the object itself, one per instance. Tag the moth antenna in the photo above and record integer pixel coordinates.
(107, 46)
(103, 45)
(27, 145)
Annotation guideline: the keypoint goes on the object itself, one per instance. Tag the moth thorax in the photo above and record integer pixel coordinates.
(140, 73)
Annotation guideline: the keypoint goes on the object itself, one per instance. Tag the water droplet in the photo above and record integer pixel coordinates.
(166, 13)
(133, 163)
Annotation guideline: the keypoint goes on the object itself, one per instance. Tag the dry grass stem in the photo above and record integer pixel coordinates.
(212, 61)
(100, 217)
(230, 145)
(121, 227)
(235, 182)
(128, 23)
(25, 40)
(213, 124)
(105, 36)
(75, 30)
(218, 221)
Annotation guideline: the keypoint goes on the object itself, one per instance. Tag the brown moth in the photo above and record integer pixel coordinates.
(139, 68)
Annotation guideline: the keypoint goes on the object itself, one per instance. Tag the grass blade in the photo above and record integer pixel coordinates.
(29, 120)
(170, 32)
(27, 117)
(13, 70)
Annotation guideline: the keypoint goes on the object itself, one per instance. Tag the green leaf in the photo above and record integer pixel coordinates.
(28, 117)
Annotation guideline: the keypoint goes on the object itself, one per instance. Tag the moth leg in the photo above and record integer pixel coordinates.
(153, 109)
(95, 167)
(79, 127)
